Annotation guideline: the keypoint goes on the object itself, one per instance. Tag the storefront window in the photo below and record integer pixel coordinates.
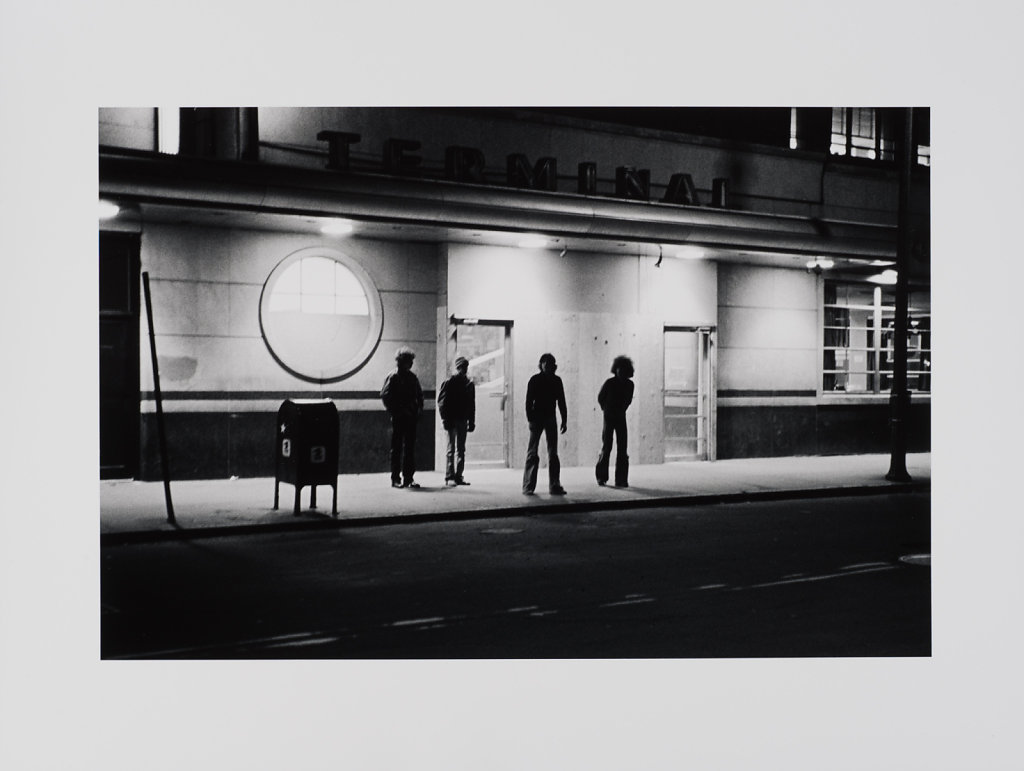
(321, 315)
(859, 332)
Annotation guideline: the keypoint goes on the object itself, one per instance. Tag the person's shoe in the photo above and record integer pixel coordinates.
(528, 492)
(622, 484)
(558, 490)
(410, 483)
(396, 483)
(460, 481)
(449, 482)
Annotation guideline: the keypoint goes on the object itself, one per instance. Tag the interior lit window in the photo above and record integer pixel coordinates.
(168, 129)
(321, 315)
(859, 133)
(858, 339)
(792, 129)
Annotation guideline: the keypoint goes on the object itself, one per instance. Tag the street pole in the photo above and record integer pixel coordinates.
(899, 399)
(161, 431)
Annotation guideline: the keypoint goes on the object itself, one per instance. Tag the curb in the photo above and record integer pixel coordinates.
(329, 523)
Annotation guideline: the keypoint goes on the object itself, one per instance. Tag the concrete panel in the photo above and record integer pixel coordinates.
(741, 327)
(244, 310)
(767, 370)
(190, 308)
(680, 292)
(421, 318)
(188, 253)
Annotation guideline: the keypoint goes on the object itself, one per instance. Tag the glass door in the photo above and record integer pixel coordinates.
(486, 346)
(688, 406)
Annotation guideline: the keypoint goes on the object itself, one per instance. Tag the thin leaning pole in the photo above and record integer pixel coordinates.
(161, 432)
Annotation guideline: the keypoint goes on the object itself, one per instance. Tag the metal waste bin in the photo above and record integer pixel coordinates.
(307, 448)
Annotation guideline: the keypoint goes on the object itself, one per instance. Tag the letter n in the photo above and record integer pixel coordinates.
(632, 183)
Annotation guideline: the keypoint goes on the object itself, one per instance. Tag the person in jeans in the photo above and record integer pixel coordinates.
(456, 402)
(544, 392)
(403, 399)
(615, 397)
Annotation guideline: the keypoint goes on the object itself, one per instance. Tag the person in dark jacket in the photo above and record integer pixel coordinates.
(403, 399)
(456, 402)
(543, 393)
(615, 397)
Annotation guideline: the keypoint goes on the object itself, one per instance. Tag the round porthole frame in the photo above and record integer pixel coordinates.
(334, 371)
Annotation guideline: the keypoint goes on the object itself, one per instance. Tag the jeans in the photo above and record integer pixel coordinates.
(403, 448)
(456, 457)
(550, 428)
(614, 426)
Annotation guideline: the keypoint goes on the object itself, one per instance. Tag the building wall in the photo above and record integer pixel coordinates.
(585, 308)
(130, 127)
(760, 178)
(222, 387)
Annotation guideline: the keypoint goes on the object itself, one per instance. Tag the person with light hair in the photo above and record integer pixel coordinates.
(403, 399)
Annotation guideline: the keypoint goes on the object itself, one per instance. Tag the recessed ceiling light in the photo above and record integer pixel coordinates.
(885, 277)
(820, 262)
(108, 210)
(336, 228)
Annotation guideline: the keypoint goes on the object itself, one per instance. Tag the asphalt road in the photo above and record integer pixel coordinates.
(807, 578)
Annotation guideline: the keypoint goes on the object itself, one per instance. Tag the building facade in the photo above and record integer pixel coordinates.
(288, 252)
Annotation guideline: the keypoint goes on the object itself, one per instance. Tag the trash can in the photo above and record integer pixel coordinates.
(307, 448)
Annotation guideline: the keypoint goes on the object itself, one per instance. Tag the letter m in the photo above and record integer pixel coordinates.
(543, 175)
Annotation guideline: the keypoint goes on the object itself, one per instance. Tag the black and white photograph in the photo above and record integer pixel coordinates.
(523, 388)
(366, 309)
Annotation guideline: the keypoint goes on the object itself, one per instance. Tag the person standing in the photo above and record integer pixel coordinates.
(615, 397)
(403, 399)
(543, 393)
(456, 402)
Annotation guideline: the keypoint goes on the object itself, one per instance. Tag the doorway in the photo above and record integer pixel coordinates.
(487, 346)
(689, 405)
(119, 355)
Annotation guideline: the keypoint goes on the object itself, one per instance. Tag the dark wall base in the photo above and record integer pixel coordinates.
(222, 445)
(770, 432)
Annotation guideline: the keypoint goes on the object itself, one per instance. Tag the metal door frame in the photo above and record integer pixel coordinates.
(707, 404)
(507, 424)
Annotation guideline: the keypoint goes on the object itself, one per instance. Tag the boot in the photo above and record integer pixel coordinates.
(601, 470)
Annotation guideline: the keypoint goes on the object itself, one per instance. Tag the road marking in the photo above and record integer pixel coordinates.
(539, 613)
(865, 565)
(638, 601)
(418, 621)
(303, 643)
(917, 559)
(523, 609)
(709, 586)
(809, 579)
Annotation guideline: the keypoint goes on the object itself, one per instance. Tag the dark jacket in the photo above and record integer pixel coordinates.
(457, 400)
(616, 395)
(543, 393)
(402, 395)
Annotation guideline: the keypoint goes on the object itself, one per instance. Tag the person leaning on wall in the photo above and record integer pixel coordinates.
(456, 403)
(615, 396)
(543, 393)
(403, 399)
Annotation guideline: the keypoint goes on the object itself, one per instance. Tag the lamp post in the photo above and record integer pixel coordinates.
(899, 399)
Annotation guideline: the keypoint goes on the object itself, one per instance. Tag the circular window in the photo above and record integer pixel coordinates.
(320, 315)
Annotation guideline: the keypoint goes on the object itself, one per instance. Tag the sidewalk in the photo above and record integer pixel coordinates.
(136, 511)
